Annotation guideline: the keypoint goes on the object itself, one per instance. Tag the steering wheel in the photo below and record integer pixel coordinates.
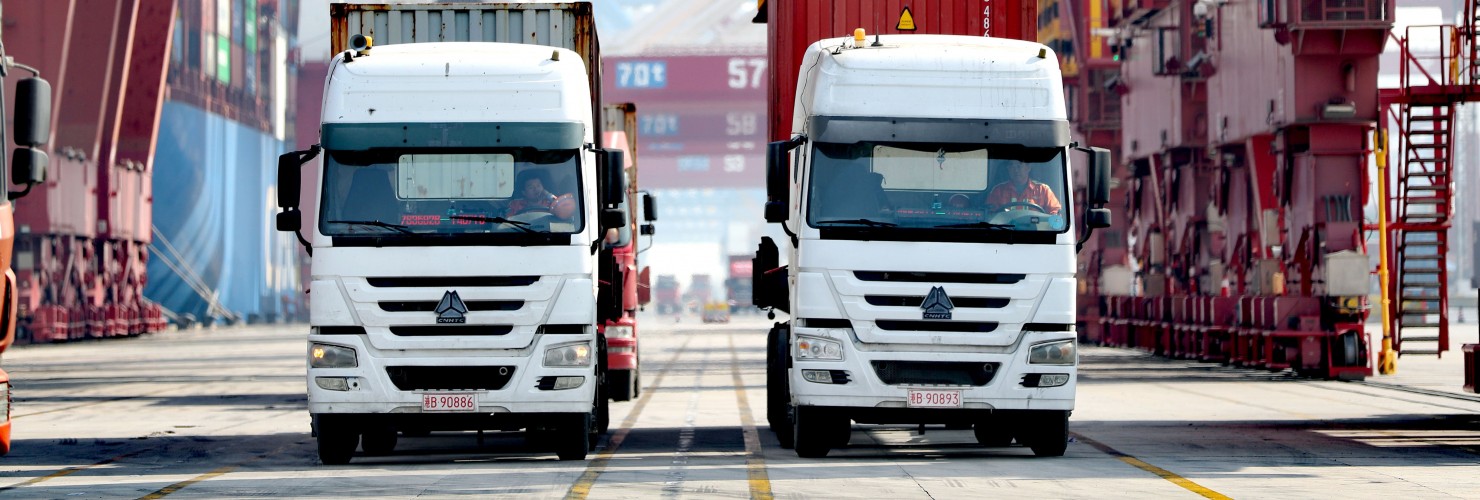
(1008, 206)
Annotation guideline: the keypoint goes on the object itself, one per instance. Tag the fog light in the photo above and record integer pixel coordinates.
(1053, 379)
(818, 376)
(618, 332)
(560, 383)
(332, 383)
(620, 350)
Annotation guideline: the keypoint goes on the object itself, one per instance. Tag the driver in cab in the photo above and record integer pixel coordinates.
(1019, 192)
(534, 198)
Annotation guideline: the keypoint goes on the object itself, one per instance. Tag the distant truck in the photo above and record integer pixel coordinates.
(31, 130)
(700, 292)
(737, 285)
(623, 375)
(462, 199)
(665, 293)
(931, 222)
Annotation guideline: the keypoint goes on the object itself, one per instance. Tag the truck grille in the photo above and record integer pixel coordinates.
(916, 300)
(934, 373)
(450, 378)
(451, 331)
(452, 281)
(473, 305)
(936, 326)
(981, 278)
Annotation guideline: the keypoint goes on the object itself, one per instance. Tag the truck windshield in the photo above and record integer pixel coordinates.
(958, 187)
(451, 192)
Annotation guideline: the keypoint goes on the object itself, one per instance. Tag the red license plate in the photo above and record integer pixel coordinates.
(467, 402)
(921, 398)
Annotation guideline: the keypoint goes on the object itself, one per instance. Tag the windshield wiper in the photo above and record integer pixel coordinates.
(860, 222)
(521, 225)
(375, 223)
(978, 225)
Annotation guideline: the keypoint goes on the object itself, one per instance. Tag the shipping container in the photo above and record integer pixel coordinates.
(796, 24)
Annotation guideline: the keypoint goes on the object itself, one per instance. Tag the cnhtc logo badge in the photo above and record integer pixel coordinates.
(937, 304)
(451, 309)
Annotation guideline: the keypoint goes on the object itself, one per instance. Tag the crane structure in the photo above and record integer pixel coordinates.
(1242, 136)
(83, 236)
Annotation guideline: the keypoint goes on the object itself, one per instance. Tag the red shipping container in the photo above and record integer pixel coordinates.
(796, 24)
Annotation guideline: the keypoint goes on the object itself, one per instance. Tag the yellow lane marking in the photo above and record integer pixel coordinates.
(68, 471)
(582, 486)
(1158, 471)
(167, 490)
(755, 464)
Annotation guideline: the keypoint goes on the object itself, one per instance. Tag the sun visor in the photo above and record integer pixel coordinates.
(364, 136)
(1027, 133)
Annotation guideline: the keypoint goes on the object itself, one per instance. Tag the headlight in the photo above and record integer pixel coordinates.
(819, 349)
(331, 356)
(1053, 353)
(574, 354)
(618, 332)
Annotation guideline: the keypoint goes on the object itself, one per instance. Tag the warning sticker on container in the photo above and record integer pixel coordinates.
(906, 21)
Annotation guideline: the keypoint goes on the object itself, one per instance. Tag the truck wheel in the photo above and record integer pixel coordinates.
(637, 380)
(1047, 432)
(601, 418)
(815, 432)
(574, 437)
(337, 442)
(778, 392)
(378, 442)
(993, 432)
(621, 383)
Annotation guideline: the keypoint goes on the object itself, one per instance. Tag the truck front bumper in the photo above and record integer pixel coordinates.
(1011, 386)
(520, 383)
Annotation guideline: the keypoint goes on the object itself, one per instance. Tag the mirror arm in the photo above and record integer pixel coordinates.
(304, 241)
(15, 195)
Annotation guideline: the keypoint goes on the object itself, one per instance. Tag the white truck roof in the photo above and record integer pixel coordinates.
(458, 82)
(935, 76)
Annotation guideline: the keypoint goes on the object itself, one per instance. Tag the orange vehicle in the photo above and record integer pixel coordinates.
(31, 129)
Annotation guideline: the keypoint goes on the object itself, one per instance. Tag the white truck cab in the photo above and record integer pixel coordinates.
(453, 265)
(932, 245)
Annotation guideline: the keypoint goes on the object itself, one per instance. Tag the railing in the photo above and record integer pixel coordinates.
(1325, 14)
(1446, 64)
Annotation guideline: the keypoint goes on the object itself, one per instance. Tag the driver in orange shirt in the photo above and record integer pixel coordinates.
(1020, 192)
(534, 197)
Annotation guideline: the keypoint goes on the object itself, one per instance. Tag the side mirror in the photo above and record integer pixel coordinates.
(290, 221)
(28, 166)
(647, 230)
(775, 211)
(778, 178)
(612, 218)
(649, 208)
(32, 112)
(289, 184)
(613, 177)
(1099, 182)
(1097, 218)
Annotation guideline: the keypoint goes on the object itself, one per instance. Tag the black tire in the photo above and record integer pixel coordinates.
(778, 389)
(622, 384)
(786, 434)
(337, 442)
(378, 442)
(574, 437)
(637, 380)
(1047, 432)
(814, 432)
(993, 433)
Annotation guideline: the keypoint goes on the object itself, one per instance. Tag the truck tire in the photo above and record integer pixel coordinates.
(337, 441)
(816, 432)
(378, 442)
(993, 432)
(777, 386)
(1046, 432)
(574, 437)
(622, 384)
